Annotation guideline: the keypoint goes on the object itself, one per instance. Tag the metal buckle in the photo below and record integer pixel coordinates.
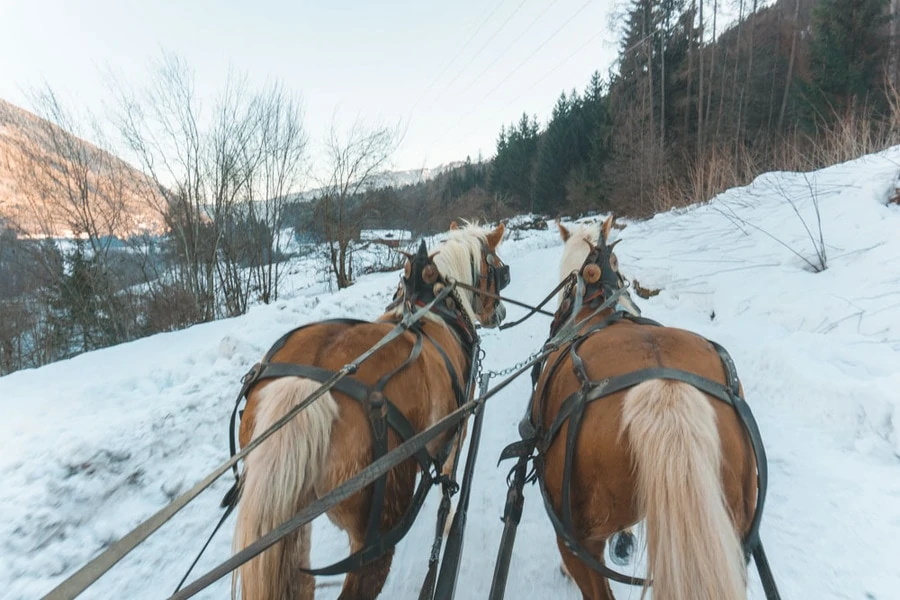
(252, 375)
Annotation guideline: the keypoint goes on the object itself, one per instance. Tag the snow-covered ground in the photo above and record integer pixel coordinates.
(91, 446)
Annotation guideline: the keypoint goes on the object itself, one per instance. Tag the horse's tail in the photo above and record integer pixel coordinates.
(278, 481)
(694, 551)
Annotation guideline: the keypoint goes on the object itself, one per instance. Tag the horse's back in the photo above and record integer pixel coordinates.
(603, 463)
(421, 390)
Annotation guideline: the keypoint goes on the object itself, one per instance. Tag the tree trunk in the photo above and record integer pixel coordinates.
(737, 62)
(662, 86)
(790, 71)
(700, 86)
(712, 64)
(741, 111)
(894, 61)
(690, 73)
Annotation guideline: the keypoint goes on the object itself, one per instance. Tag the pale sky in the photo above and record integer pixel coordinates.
(415, 62)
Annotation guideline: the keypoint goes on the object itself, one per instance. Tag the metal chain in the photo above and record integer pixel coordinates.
(518, 365)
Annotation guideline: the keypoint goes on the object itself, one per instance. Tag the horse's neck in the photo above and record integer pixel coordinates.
(437, 328)
(592, 317)
(450, 342)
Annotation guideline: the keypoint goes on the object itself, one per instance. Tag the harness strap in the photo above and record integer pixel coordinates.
(376, 405)
(340, 493)
(454, 376)
(751, 541)
(248, 383)
(382, 414)
(376, 544)
(599, 389)
(573, 408)
(571, 441)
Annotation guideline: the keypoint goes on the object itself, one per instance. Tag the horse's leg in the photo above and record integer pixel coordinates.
(592, 585)
(367, 582)
(450, 465)
(304, 584)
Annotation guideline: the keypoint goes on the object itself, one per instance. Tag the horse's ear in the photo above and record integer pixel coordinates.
(453, 226)
(606, 227)
(563, 232)
(496, 236)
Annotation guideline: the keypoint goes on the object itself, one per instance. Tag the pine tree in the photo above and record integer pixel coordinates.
(847, 54)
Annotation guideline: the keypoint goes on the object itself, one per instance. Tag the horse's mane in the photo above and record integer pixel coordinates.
(577, 247)
(454, 258)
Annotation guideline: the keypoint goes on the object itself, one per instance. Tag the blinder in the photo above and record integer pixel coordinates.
(499, 274)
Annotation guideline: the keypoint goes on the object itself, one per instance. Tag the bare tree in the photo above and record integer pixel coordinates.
(279, 170)
(356, 159)
(795, 26)
(218, 178)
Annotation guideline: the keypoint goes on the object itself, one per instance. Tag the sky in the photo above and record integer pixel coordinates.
(449, 73)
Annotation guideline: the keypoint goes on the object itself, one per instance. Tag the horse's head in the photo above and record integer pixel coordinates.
(587, 250)
(469, 256)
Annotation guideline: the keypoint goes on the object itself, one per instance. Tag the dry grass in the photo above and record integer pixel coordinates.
(643, 292)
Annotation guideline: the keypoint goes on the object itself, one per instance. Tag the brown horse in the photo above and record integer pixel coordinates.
(333, 439)
(655, 448)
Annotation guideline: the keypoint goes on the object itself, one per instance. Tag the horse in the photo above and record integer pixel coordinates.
(617, 446)
(421, 376)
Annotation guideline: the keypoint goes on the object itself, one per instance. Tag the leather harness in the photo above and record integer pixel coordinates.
(536, 437)
(382, 413)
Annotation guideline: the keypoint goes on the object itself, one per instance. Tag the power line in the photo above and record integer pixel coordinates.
(528, 89)
(460, 51)
(525, 61)
(490, 39)
(538, 49)
(505, 50)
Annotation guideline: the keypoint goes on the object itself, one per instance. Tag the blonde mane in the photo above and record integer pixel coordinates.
(454, 258)
(576, 250)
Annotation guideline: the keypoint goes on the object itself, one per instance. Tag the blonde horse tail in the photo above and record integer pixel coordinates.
(278, 481)
(694, 551)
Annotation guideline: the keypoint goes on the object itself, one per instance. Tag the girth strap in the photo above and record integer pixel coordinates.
(377, 407)
(454, 376)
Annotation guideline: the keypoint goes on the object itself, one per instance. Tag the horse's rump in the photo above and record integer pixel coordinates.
(602, 468)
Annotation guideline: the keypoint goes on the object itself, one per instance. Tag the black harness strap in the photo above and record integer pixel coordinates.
(454, 376)
(377, 408)
(382, 414)
(572, 411)
(248, 382)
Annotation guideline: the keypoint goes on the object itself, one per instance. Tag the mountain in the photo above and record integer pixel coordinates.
(396, 179)
(53, 183)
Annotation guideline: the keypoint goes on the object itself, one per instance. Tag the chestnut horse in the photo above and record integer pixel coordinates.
(422, 374)
(616, 446)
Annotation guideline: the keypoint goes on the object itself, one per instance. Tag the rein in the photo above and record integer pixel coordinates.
(79, 581)
(533, 309)
(351, 486)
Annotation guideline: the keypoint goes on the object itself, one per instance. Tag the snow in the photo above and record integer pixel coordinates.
(93, 445)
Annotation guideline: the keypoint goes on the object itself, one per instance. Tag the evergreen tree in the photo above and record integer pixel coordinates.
(847, 53)
(512, 170)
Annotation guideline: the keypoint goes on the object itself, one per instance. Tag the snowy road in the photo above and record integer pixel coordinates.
(92, 445)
